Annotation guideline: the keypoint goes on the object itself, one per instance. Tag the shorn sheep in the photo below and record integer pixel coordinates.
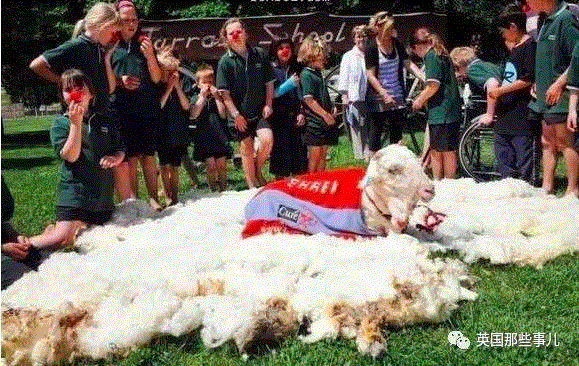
(146, 274)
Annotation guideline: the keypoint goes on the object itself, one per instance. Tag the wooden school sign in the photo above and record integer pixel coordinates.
(198, 39)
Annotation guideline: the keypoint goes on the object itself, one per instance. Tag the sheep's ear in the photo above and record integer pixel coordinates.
(395, 169)
(378, 155)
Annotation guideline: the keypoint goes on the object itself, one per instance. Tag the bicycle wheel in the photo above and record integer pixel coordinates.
(476, 152)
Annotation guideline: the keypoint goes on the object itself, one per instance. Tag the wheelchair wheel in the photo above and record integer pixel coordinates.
(476, 152)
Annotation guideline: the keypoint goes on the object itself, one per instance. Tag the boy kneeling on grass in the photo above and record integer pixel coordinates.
(90, 147)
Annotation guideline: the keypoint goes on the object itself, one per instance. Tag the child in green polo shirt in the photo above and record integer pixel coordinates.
(320, 128)
(443, 100)
(174, 125)
(246, 83)
(90, 146)
(483, 78)
(556, 39)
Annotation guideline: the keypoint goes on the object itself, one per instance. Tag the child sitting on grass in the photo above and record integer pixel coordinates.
(211, 138)
(90, 147)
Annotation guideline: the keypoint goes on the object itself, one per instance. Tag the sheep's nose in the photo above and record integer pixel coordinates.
(427, 192)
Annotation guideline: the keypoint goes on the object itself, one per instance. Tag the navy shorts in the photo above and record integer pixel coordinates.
(444, 137)
(78, 214)
(172, 155)
(251, 131)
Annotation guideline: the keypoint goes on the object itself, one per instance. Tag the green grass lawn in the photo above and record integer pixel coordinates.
(511, 299)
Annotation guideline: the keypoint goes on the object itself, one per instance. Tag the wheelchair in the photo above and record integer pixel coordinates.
(476, 154)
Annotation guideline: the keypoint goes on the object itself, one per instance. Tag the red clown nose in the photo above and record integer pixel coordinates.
(76, 95)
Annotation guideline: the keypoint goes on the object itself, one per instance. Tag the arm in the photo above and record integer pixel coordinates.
(183, 100)
(315, 107)
(415, 70)
(430, 89)
(152, 65)
(344, 79)
(491, 86)
(572, 116)
(220, 106)
(373, 80)
(41, 67)
(71, 149)
(553, 94)
(269, 94)
(166, 94)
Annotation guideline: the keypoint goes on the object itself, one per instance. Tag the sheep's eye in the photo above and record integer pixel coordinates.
(395, 171)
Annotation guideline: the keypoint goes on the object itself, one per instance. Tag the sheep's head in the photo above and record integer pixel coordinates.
(397, 181)
(167, 60)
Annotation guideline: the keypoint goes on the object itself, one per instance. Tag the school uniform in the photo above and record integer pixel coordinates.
(138, 109)
(211, 133)
(317, 132)
(444, 107)
(556, 40)
(246, 80)
(517, 136)
(85, 191)
(479, 74)
(389, 72)
(174, 136)
(86, 55)
(289, 154)
(573, 82)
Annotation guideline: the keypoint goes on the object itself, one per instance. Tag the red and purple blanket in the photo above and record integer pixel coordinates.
(325, 202)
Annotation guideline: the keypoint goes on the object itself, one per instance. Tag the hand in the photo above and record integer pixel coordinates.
(205, 90)
(18, 250)
(572, 121)
(214, 92)
(329, 119)
(387, 99)
(553, 94)
(240, 123)
(108, 162)
(147, 48)
(267, 111)
(76, 113)
(417, 104)
(486, 120)
(495, 93)
(130, 82)
(300, 120)
(533, 91)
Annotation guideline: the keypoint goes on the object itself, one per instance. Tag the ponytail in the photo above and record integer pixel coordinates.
(79, 28)
(425, 36)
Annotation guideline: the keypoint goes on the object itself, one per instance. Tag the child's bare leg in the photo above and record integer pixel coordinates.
(150, 173)
(248, 161)
(322, 162)
(222, 173)
(549, 157)
(437, 164)
(211, 173)
(314, 153)
(166, 177)
(62, 234)
(449, 164)
(122, 174)
(564, 144)
(190, 169)
(174, 183)
(265, 137)
(134, 181)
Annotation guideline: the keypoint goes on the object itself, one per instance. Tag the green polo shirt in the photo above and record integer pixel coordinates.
(445, 105)
(246, 80)
(83, 183)
(144, 101)
(86, 55)
(312, 84)
(555, 44)
(479, 73)
(573, 75)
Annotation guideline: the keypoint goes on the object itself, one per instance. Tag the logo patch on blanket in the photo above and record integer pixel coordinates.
(325, 202)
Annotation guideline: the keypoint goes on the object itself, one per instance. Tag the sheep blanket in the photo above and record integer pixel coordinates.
(324, 202)
(146, 273)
